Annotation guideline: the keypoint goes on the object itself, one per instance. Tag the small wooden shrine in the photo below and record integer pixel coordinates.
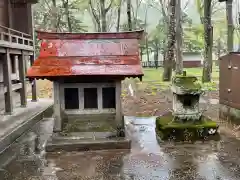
(87, 70)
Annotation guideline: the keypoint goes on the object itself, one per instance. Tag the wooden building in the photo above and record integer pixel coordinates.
(87, 70)
(16, 49)
(229, 87)
(190, 60)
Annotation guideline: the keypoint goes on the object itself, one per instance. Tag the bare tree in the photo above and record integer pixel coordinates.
(56, 17)
(104, 12)
(164, 9)
(67, 15)
(230, 29)
(179, 58)
(129, 16)
(208, 31)
(95, 16)
(218, 49)
(99, 14)
(146, 37)
(168, 62)
(119, 15)
(237, 29)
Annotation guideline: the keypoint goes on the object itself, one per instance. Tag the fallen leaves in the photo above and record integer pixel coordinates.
(44, 89)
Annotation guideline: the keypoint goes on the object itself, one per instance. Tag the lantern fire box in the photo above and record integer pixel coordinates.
(86, 70)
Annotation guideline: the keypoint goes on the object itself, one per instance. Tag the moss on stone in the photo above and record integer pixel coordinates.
(187, 83)
(165, 122)
(190, 131)
(190, 135)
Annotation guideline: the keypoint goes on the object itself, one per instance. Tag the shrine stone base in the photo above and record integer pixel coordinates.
(86, 141)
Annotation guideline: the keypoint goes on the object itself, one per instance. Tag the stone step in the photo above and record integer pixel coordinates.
(89, 126)
(82, 120)
(95, 122)
(90, 117)
(83, 135)
(54, 145)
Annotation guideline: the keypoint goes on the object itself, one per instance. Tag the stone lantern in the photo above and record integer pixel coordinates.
(186, 96)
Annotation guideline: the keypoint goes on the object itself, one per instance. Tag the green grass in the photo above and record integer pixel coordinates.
(155, 75)
(152, 74)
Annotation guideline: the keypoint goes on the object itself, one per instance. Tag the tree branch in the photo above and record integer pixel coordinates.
(163, 11)
(186, 5)
(216, 10)
(109, 6)
(94, 12)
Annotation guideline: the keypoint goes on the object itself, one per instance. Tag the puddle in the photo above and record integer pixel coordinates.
(147, 160)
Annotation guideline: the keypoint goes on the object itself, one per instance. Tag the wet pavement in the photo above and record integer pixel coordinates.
(147, 160)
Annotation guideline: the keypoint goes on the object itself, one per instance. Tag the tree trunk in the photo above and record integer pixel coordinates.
(141, 53)
(164, 57)
(55, 16)
(66, 9)
(156, 57)
(179, 58)
(218, 50)
(230, 30)
(146, 37)
(207, 65)
(44, 22)
(94, 16)
(166, 26)
(168, 62)
(119, 16)
(129, 17)
(103, 16)
(147, 48)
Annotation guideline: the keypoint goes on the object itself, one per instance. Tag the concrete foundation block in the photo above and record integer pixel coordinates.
(86, 142)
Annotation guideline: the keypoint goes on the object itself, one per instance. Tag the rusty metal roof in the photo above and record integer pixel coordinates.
(70, 54)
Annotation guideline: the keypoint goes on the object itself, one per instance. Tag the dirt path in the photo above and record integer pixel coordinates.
(146, 101)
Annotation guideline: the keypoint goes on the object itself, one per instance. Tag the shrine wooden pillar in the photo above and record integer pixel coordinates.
(57, 107)
(7, 72)
(34, 85)
(22, 77)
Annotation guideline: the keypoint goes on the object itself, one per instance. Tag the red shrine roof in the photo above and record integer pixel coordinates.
(84, 54)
